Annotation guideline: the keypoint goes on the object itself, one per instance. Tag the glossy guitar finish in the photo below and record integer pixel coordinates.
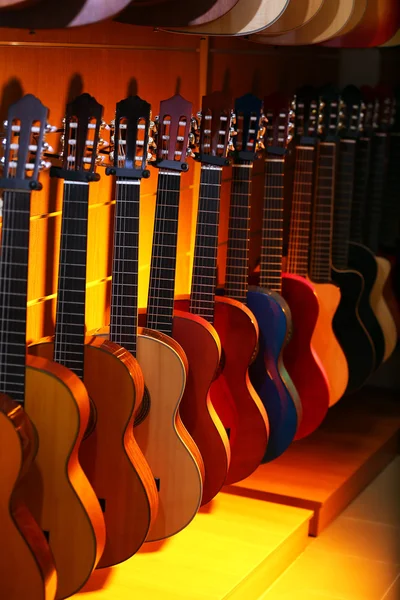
(268, 373)
(174, 13)
(21, 535)
(361, 259)
(381, 308)
(300, 358)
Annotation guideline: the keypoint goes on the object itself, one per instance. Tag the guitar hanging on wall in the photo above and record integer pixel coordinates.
(27, 568)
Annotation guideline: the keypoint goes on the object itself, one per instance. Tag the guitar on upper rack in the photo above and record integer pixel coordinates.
(300, 357)
(231, 393)
(347, 324)
(268, 373)
(27, 568)
(169, 450)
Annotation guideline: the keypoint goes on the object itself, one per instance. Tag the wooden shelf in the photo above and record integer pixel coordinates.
(235, 548)
(327, 470)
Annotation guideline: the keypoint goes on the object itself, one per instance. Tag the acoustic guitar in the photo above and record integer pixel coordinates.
(347, 324)
(296, 15)
(268, 373)
(55, 488)
(109, 453)
(328, 294)
(46, 14)
(27, 568)
(246, 17)
(394, 41)
(174, 13)
(158, 429)
(15, 3)
(232, 395)
(300, 357)
(329, 21)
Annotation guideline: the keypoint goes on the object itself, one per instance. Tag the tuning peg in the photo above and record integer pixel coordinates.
(199, 114)
(104, 125)
(51, 128)
(112, 124)
(44, 165)
(5, 124)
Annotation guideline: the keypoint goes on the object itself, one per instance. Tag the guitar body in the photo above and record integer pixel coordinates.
(296, 15)
(361, 259)
(56, 489)
(110, 455)
(174, 13)
(301, 360)
(350, 330)
(380, 307)
(268, 373)
(27, 568)
(325, 342)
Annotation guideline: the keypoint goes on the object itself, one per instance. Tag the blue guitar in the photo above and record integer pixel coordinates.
(267, 373)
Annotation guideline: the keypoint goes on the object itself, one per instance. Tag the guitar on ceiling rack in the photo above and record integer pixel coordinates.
(231, 393)
(268, 373)
(347, 324)
(361, 258)
(300, 358)
(324, 340)
(27, 568)
(169, 450)
(109, 453)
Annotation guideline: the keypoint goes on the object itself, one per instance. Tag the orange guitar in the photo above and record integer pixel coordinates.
(109, 453)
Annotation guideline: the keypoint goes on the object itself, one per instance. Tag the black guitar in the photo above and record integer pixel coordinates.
(348, 327)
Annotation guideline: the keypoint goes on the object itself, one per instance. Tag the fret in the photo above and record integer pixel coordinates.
(343, 203)
(360, 190)
(376, 189)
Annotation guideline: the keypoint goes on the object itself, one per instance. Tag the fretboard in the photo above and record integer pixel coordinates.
(272, 229)
(13, 293)
(70, 314)
(202, 298)
(300, 221)
(237, 263)
(160, 306)
(376, 189)
(125, 269)
(343, 201)
(361, 177)
(321, 239)
(390, 223)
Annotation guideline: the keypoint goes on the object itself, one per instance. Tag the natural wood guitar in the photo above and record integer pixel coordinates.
(174, 13)
(55, 488)
(109, 454)
(296, 15)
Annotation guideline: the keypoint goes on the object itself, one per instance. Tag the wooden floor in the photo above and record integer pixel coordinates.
(235, 548)
(327, 470)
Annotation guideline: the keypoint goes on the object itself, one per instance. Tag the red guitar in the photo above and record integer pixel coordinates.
(232, 394)
(300, 358)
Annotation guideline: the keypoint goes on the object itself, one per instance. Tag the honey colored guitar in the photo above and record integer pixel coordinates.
(55, 488)
(110, 456)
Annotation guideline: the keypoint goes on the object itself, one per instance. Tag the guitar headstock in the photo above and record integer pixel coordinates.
(396, 116)
(215, 129)
(130, 138)
(173, 127)
(308, 115)
(385, 108)
(248, 127)
(81, 140)
(23, 145)
(332, 106)
(354, 109)
(279, 111)
(370, 122)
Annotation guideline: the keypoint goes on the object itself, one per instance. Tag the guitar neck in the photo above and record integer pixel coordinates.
(321, 238)
(71, 296)
(300, 222)
(237, 264)
(202, 298)
(343, 203)
(125, 268)
(391, 206)
(272, 229)
(13, 292)
(376, 189)
(361, 178)
(160, 306)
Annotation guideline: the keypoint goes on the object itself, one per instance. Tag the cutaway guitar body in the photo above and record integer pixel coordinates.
(300, 358)
(325, 342)
(361, 259)
(350, 330)
(380, 307)
(110, 455)
(268, 373)
(56, 489)
(27, 567)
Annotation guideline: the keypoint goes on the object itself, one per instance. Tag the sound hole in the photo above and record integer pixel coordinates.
(92, 419)
(221, 365)
(144, 408)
